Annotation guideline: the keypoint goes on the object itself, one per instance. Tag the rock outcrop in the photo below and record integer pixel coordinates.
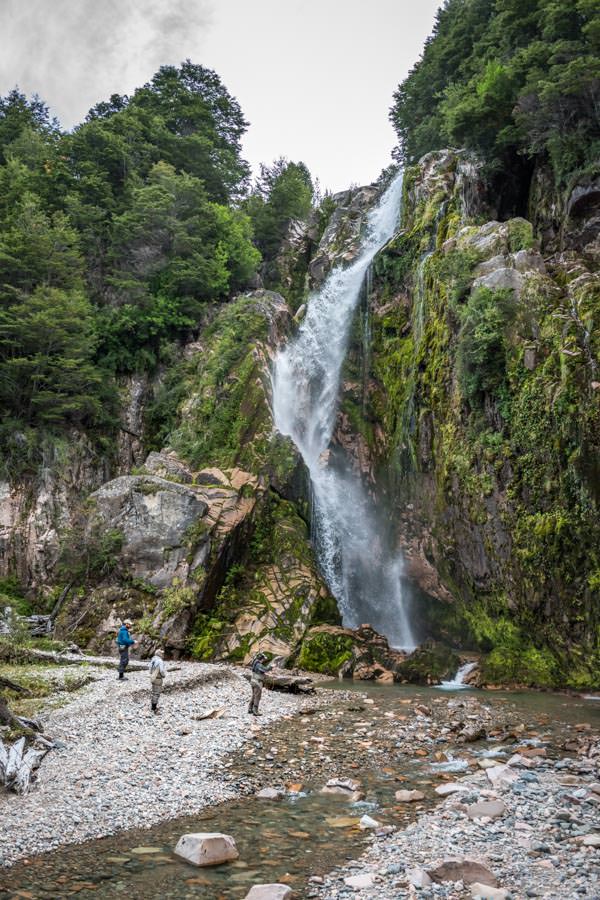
(483, 380)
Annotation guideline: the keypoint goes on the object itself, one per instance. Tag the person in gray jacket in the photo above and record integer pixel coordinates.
(157, 676)
(257, 677)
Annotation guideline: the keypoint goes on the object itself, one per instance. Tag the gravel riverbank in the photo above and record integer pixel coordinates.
(527, 826)
(124, 767)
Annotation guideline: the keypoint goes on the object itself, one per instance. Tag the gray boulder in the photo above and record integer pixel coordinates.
(153, 515)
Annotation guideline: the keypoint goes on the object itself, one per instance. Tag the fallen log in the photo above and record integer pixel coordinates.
(18, 766)
(6, 716)
(30, 762)
(290, 684)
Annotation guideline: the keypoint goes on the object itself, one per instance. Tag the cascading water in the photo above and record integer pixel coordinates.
(362, 570)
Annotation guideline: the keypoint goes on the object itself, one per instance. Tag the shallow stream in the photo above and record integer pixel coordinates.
(307, 832)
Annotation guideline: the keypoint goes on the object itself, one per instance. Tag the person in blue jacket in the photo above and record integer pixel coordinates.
(124, 642)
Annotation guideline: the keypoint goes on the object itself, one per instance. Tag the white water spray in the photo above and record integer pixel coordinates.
(352, 545)
(458, 682)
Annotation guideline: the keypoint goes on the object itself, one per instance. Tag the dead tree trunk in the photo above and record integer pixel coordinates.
(18, 765)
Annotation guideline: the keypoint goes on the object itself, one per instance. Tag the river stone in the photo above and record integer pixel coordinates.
(492, 809)
(452, 787)
(348, 788)
(206, 848)
(409, 796)
(485, 892)
(419, 878)
(269, 892)
(522, 762)
(467, 870)
(269, 794)
(591, 840)
(368, 822)
(501, 776)
(360, 881)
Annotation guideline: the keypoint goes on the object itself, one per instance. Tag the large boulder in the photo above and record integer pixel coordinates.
(206, 848)
(153, 515)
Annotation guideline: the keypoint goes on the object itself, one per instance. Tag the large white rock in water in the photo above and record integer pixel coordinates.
(347, 787)
(206, 848)
(269, 892)
(409, 796)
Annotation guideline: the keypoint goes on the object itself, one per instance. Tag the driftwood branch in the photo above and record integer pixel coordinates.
(6, 683)
(290, 684)
(58, 605)
(18, 765)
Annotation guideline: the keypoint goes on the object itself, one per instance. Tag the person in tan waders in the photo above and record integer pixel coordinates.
(257, 677)
(157, 677)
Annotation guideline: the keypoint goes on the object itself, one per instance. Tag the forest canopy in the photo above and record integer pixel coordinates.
(117, 236)
(512, 80)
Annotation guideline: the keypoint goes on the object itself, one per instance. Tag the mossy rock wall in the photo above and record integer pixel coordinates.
(485, 358)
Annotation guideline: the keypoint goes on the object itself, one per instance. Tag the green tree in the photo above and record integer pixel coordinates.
(47, 373)
(510, 79)
(172, 251)
(18, 114)
(284, 191)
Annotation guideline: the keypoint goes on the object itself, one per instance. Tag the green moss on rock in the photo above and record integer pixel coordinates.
(324, 652)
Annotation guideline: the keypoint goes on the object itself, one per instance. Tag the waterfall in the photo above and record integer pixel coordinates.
(458, 682)
(351, 540)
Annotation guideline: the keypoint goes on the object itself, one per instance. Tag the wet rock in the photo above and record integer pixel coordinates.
(348, 788)
(206, 848)
(453, 787)
(409, 796)
(492, 809)
(269, 794)
(472, 733)
(429, 664)
(367, 822)
(467, 870)
(269, 892)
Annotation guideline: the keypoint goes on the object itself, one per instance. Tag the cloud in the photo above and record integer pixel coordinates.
(74, 53)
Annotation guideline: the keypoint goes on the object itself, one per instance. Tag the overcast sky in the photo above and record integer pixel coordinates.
(314, 77)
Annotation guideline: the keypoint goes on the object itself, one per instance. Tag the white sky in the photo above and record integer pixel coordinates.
(314, 77)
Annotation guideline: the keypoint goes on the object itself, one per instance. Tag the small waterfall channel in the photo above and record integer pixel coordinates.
(354, 550)
(458, 682)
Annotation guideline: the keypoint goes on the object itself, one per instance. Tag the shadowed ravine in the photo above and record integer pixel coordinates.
(361, 567)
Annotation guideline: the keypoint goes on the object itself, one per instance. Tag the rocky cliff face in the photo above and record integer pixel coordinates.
(470, 405)
(200, 544)
(483, 419)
